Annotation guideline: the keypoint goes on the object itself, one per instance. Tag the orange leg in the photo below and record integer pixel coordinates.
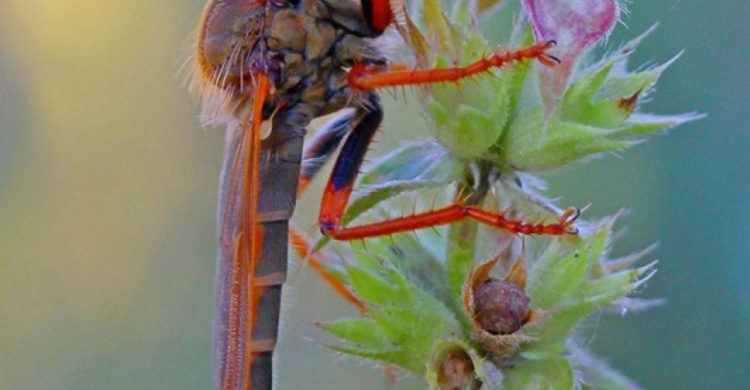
(450, 214)
(364, 77)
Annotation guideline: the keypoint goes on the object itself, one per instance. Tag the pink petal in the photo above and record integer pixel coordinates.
(575, 25)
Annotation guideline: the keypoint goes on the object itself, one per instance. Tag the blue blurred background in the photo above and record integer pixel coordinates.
(108, 192)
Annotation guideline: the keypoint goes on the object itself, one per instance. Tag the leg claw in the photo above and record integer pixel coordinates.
(567, 219)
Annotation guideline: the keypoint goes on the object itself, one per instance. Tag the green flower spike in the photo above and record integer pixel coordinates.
(430, 303)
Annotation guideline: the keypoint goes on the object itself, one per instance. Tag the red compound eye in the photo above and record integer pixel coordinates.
(378, 14)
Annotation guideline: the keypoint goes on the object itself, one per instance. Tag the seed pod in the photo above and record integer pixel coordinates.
(456, 372)
(455, 365)
(499, 308)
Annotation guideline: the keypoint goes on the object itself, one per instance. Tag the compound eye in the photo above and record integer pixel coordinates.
(378, 14)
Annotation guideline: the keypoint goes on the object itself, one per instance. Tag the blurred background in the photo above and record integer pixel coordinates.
(108, 196)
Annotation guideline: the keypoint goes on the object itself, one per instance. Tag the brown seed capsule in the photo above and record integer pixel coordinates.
(456, 372)
(500, 307)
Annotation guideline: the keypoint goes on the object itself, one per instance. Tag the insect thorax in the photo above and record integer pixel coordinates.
(304, 48)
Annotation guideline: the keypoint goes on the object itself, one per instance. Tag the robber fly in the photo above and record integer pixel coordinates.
(267, 68)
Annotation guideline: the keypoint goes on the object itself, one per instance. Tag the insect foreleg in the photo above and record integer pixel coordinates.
(364, 77)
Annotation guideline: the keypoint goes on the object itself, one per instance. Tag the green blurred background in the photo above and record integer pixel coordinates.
(108, 192)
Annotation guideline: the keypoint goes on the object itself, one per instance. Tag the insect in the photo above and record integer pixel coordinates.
(267, 68)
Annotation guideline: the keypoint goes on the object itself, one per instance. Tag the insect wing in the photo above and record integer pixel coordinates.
(240, 245)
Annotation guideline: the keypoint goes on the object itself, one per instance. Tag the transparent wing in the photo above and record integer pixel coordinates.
(257, 194)
(231, 286)
(241, 236)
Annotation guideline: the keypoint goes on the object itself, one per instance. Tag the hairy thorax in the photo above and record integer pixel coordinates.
(304, 47)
